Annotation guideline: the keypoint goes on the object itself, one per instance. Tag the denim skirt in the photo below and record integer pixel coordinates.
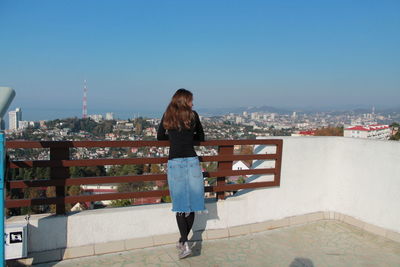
(186, 184)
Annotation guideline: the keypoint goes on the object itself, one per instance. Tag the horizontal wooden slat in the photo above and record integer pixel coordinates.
(126, 179)
(239, 172)
(102, 162)
(222, 158)
(85, 162)
(88, 180)
(58, 144)
(15, 203)
(235, 187)
(242, 142)
(137, 178)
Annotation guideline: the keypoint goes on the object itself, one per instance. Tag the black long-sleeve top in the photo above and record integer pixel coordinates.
(182, 141)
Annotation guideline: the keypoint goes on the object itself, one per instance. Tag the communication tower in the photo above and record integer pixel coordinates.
(84, 109)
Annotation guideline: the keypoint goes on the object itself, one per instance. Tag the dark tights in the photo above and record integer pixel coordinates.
(184, 224)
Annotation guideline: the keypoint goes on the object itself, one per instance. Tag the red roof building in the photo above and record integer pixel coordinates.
(375, 131)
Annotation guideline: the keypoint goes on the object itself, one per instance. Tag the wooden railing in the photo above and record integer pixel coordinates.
(60, 162)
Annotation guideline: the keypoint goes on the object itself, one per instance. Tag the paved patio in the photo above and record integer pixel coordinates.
(323, 243)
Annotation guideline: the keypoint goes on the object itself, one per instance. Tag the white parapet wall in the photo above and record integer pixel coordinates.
(358, 177)
(334, 175)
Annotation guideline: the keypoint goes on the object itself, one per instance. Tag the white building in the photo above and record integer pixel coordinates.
(109, 116)
(240, 165)
(96, 189)
(96, 117)
(254, 116)
(15, 116)
(23, 124)
(239, 120)
(375, 131)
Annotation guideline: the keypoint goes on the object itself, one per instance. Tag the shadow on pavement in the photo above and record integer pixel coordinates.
(301, 262)
(200, 225)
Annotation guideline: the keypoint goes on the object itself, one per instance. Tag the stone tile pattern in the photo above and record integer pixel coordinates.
(244, 231)
(322, 243)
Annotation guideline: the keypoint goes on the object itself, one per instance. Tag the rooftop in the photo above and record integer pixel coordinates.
(368, 128)
(323, 243)
(335, 204)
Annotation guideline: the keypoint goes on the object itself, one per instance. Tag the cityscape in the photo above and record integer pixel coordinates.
(231, 126)
(299, 102)
(245, 125)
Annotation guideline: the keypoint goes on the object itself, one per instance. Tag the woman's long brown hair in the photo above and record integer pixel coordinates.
(179, 114)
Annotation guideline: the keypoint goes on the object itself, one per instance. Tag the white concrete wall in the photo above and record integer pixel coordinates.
(360, 178)
(369, 187)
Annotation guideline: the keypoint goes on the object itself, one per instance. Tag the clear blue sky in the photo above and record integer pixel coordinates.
(135, 54)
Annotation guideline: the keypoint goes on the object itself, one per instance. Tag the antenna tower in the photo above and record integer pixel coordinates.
(84, 109)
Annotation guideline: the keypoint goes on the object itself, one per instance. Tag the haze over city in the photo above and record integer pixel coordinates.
(135, 54)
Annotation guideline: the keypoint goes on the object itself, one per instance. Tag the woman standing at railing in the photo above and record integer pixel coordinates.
(181, 126)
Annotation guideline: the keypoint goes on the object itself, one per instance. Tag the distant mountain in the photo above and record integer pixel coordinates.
(240, 110)
(391, 110)
(268, 109)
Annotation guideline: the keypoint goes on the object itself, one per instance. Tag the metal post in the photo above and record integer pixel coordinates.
(2, 179)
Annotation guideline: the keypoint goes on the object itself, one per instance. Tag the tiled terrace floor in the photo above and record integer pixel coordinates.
(323, 243)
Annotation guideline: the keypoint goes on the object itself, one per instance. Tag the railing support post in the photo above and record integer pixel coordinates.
(60, 153)
(224, 165)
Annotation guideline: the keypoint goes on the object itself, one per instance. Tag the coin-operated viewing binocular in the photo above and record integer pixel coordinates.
(7, 94)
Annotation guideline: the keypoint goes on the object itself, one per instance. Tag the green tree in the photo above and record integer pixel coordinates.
(28, 193)
(51, 192)
(74, 190)
(87, 171)
(122, 170)
(329, 131)
(155, 168)
(395, 136)
(395, 126)
(165, 199)
(138, 128)
(121, 203)
(241, 180)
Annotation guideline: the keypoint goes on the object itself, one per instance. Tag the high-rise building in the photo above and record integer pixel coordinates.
(15, 116)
